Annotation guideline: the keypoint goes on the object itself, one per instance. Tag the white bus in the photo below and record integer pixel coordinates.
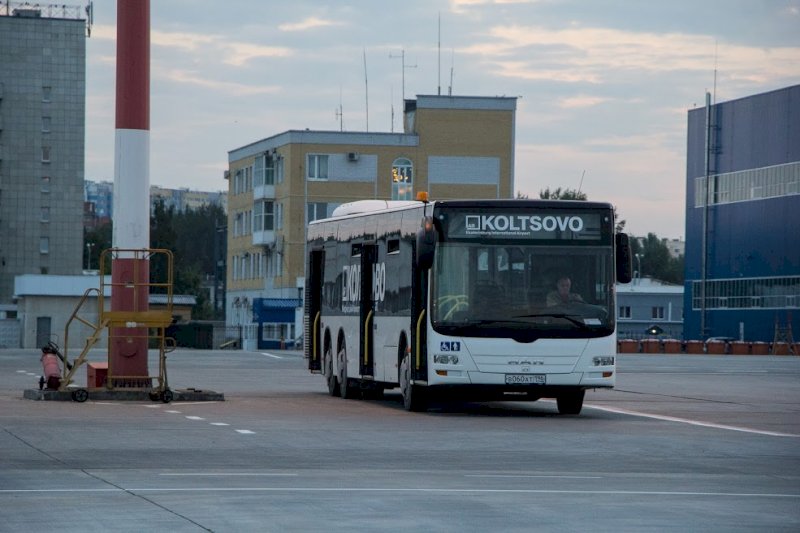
(459, 299)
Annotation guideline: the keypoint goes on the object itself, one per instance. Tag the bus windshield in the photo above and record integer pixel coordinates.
(523, 291)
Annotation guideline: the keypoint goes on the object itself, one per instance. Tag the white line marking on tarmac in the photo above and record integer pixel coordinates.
(219, 424)
(232, 474)
(419, 490)
(195, 418)
(271, 355)
(22, 371)
(531, 476)
(692, 422)
(245, 432)
(173, 412)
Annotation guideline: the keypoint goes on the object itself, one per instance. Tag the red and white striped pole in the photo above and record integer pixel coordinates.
(130, 272)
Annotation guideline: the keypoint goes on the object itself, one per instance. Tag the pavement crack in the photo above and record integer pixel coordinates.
(146, 499)
(677, 397)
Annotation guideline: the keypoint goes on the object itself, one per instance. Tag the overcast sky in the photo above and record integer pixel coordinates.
(604, 86)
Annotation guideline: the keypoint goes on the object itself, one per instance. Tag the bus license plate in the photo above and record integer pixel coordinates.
(525, 379)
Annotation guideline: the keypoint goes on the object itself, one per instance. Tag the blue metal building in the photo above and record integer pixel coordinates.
(743, 244)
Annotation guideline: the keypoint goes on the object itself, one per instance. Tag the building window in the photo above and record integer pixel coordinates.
(752, 184)
(624, 311)
(402, 179)
(44, 245)
(45, 183)
(46, 93)
(45, 214)
(317, 167)
(316, 210)
(658, 313)
(279, 169)
(264, 216)
(46, 124)
(243, 180)
(45, 154)
(264, 170)
(748, 293)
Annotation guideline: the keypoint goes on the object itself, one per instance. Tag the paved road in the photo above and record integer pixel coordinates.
(684, 443)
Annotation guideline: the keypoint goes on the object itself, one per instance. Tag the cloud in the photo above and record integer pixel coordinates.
(580, 101)
(647, 204)
(241, 53)
(227, 87)
(594, 54)
(308, 24)
(459, 6)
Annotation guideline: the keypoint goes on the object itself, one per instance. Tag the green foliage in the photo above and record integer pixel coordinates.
(189, 235)
(562, 194)
(655, 259)
(96, 241)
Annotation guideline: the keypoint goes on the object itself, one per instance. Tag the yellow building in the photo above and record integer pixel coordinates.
(452, 147)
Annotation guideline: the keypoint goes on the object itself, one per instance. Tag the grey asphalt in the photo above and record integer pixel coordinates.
(685, 443)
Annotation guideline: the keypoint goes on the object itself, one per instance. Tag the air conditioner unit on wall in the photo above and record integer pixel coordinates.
(352, 156)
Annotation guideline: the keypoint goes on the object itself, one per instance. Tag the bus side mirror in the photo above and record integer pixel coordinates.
(623, 258)
(426, 244)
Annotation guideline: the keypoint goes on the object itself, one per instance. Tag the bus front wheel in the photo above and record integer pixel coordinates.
(413, 395)
(570, 403)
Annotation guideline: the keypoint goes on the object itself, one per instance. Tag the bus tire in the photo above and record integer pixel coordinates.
(330, 377)
(413, 395)
(346, 389)
(570, 403)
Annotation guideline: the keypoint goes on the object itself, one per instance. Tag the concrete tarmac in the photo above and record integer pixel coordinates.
(683, 444)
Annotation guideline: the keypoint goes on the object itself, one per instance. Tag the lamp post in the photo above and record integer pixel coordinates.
(89, 246)
(639, 266)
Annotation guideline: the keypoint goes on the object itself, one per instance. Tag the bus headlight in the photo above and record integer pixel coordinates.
(607, 360)
(445, 359)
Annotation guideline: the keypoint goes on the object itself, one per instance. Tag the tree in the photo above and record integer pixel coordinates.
(655, 259)
(163, 236)
(562, 194)
(96, 241)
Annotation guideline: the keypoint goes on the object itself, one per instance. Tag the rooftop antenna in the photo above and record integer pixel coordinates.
(366, 87)
(89, 17)
(452, 58)
(716, 44)
(391, 105)
(340, 111)
(439, 59)
(402, 57)
(580, 185)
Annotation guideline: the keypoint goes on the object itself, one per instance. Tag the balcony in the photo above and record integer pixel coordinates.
(264, 192)
(264, 238)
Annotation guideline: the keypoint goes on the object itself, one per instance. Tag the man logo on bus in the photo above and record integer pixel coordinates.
(473, 223)
(524, 223)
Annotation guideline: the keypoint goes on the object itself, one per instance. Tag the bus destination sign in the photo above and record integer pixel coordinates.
(550, 226)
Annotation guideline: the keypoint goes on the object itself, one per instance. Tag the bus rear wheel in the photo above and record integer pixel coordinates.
(570, 403)
(330, 377)
(346, 390)
(413, 395)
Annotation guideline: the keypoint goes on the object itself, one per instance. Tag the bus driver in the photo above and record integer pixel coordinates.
(562, 294)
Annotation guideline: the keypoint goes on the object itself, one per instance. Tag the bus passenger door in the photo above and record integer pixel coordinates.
(313, 317)
(369, 256)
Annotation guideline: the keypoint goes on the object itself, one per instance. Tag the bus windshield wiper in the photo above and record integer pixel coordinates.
(565, 316)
